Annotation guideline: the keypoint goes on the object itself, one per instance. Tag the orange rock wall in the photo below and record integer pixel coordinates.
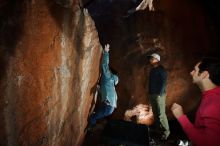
(50, 55)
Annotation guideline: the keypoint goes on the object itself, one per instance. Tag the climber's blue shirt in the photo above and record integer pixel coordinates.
(108, 82)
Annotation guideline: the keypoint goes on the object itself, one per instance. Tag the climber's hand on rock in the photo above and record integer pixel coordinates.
(107, 46)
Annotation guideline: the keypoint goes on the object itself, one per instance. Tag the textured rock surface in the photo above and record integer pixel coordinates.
(50, 63)
(50, 53)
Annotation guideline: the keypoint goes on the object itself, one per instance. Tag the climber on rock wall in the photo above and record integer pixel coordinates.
(109, 80)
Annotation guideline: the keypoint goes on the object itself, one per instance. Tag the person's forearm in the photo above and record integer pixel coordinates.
(161, 88)
(196, 136)
(105, 64)
(105, 59)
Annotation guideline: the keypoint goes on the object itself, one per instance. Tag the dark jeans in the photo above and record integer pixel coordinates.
(103, 111)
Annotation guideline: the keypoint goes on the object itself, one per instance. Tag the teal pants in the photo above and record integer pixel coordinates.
(158, 104)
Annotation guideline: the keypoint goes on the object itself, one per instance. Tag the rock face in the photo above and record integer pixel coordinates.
(142, 114)
(50, 55)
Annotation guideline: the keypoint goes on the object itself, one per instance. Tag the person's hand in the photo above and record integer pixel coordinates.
(177, 110)
(106, 49)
